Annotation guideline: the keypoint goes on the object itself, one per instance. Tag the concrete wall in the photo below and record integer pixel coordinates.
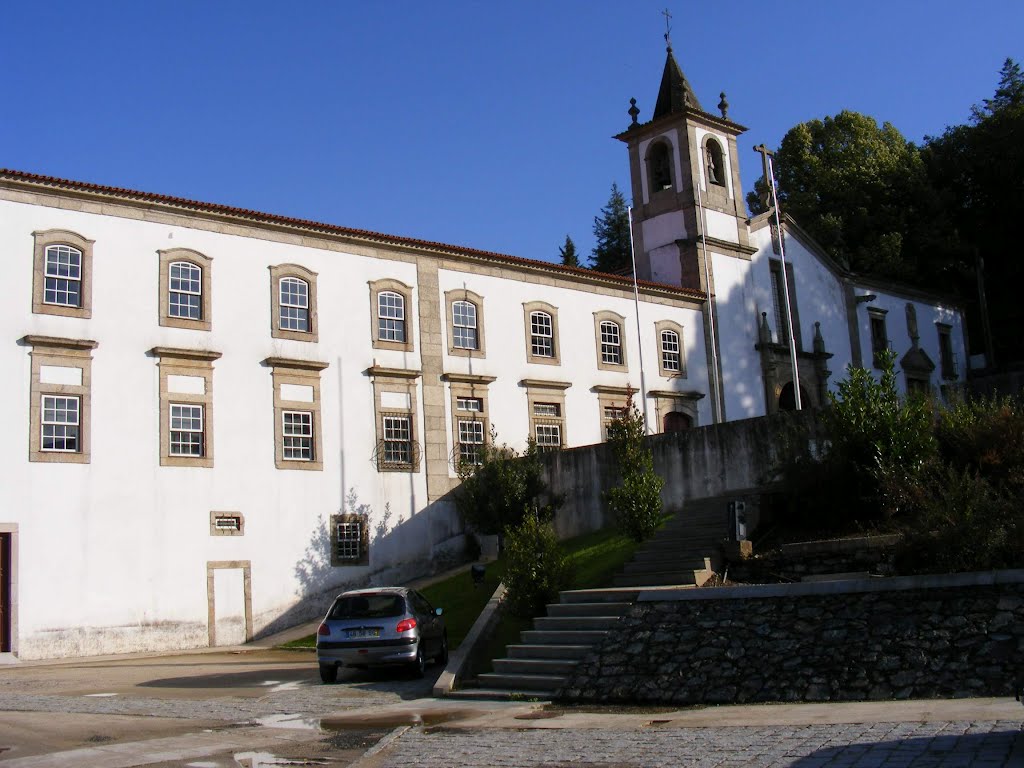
(910, 637)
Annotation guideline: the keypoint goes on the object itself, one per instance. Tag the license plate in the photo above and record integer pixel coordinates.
(358, 634)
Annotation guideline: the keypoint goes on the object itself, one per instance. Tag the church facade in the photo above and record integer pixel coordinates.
(218, 418)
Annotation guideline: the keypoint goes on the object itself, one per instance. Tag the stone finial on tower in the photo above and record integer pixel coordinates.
(723, 106)
(633, 113)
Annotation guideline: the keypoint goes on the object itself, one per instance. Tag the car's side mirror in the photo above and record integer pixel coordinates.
(439, 611)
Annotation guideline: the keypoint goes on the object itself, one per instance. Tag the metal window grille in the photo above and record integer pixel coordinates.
(186, 291)
(464, 330)
(611, 343)
(779, 305)
(63, 276)
(60, 423)
(671, 360)
(547, 409)
(391, 316)
(297, 433)
(397, 441)
(294, 296)
(349, 540)
(187, 438)
(474, 404)
(542, 339)
(471, 440)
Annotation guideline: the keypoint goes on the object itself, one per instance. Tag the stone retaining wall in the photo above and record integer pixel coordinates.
(808, 559)
(896, 638)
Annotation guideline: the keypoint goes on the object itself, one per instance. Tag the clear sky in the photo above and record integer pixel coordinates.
(484, 124)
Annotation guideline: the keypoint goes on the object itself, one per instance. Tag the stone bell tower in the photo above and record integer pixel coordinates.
(685, 178)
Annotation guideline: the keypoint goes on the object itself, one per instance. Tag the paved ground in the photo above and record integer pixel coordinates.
(262, 708)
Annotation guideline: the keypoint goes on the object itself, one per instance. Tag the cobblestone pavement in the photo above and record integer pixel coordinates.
(988, 744)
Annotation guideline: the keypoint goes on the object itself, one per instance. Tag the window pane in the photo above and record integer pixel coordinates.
(542, 335)
(63, 276)
(60, 423)
(185, 299)
(186, 438)
(670, 357)
(464, 332)
(391, 316)
(397, 441)
(294, 304)
(611, 345)
(297, 434)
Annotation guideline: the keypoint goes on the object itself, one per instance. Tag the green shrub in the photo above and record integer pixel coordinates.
(635, 503)
(536, 570)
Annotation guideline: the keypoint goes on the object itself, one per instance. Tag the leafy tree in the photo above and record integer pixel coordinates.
(568, 253)
(859, 189)
(636, 502)
(536, 570)
(613, 251)
(496, 492)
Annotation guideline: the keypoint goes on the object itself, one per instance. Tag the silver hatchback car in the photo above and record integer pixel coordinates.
(380, 627)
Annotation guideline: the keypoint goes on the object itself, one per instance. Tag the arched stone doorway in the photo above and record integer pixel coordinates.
(787, 398)
(675, 421)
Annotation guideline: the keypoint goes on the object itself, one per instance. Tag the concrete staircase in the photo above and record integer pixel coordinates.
(683, 553)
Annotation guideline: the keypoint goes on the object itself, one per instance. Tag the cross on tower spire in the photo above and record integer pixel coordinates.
(668, 28)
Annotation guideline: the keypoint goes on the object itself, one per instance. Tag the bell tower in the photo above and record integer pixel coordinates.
(685, 180)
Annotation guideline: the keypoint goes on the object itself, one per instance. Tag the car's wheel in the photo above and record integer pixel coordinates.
(329, 673)
(442, 655)
(419, 667)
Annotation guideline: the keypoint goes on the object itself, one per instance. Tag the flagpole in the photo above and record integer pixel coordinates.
(716, 409)
(639, 333)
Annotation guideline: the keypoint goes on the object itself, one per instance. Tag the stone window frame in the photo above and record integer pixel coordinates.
(278, 273)
(43, 239)
(779, 303)
(215, 530)
(607, 316)
(468, 386)
(193, 363)
(552, 311)
(876, 318)
(303, 373)
(396, 381)
(660, 145)
(205, 265)
(364, 539)
(611, 397)
(392, 285)
(60, 353)
(669, 401)
(947, 357)
(464, 294)
(543, 391)
(670, 326)
(710, 140)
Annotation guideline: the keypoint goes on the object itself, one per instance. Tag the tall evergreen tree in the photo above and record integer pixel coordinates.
(568, 253)
(611, 231)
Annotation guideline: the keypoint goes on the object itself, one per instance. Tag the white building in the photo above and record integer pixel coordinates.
(216, 416)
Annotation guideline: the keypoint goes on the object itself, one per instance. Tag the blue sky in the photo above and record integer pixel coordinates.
(473, 123)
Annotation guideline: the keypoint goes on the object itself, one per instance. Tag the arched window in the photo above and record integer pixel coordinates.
(671, 359)
(611, 343)
(715, 162)
(294, 304)
(185, 297)
(677, 422)
(391, 316)
(787, 398)
(659, 165)
(63, 276)
(464, 326)
(542, 338)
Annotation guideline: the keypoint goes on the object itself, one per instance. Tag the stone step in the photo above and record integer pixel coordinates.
(691, 544)
(661, 562)
(545, 683)
(519, 666)
(547, 651)
(681, 578)
(498, 694)
(573, 623)
(607, 595)
(562, 637)
(588, 609)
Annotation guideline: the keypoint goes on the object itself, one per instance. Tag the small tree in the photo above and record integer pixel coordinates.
(568, 253)
(636, 502)
(612, 252)
(536, 570)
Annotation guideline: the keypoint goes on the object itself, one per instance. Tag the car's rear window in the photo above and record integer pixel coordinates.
(382, 606)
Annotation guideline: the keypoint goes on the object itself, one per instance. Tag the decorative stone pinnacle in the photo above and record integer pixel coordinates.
(723, 105)
(633, 111)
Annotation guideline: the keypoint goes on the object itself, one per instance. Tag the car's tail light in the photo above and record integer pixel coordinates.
(405, 625)
(323, 629)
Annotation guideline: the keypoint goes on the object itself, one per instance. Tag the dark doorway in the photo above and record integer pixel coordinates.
(677, 422)
(787, 398)
(5, 592)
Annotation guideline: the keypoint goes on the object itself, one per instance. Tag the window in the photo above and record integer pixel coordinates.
(612, 402)
(471, 441)
(394, 393)
(187, 431)
(473, 404)
(659, 166)
(227, 524)
(611, 353)
(610, 413)
(715, 162)
(350, 541)
(546, 401)
(62, 274)
(60, 399)
(779, 303)
(185, 289)
(947, 359)
(186, 406)
(60, 423)
(675, 421)
(879, 336)
(470, 425)
(541, 333)
(297, 434)
(671, 354)
(465, 311)
(392, 325)
(293, 303)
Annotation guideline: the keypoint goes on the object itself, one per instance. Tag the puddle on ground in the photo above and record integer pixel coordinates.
(294, 722)
(394, 719)
(541, 715)
(650, 723)
(99, 695)
(261, 759)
